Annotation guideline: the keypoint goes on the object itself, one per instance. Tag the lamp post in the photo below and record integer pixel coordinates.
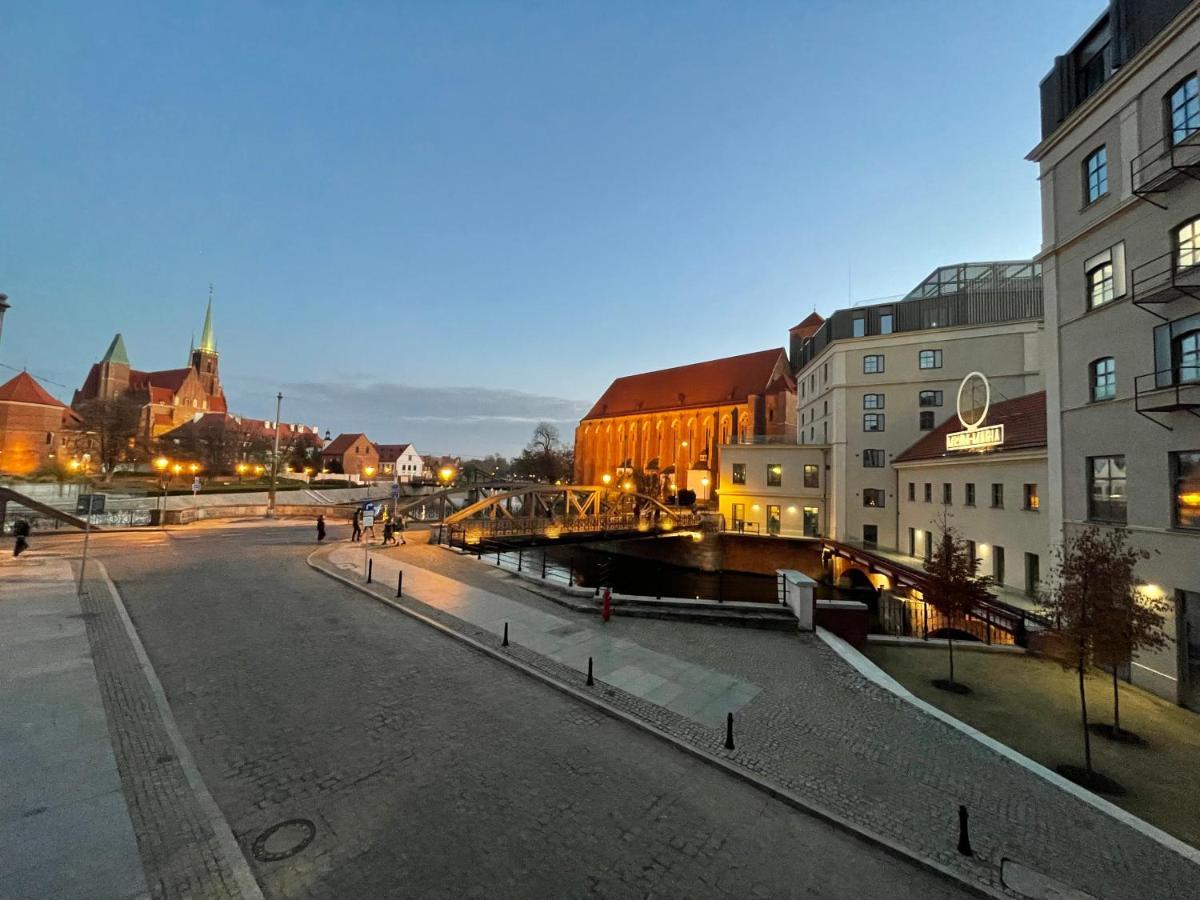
(161, 464)
(4, 307)
(274, 459)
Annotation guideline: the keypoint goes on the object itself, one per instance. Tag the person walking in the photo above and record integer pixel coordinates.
(399, 526)
(21, 531)
(357, 533)
(387, 533)
(320, 528)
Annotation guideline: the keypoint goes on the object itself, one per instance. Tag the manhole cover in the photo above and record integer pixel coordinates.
(283, 840)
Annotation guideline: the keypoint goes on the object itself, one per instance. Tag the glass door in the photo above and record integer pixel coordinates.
(772, 519)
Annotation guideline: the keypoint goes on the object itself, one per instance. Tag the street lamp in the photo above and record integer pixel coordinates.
(369, 471)
(446, 474)
(4, 307)
(241, 470)
(606, 478)
(161, 464)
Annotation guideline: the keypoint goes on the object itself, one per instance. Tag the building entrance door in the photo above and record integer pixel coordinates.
(772, 519)
(812, 521)
(739, 517)
(1189, 647)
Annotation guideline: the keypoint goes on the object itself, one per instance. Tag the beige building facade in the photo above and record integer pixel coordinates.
(774, 489)
(1119, 161)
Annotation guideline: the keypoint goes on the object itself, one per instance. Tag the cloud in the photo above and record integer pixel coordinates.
(471, 421)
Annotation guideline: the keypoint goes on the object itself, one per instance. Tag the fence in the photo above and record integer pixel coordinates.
(990, 623)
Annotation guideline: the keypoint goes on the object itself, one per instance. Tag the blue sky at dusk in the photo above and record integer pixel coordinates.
(443, 222)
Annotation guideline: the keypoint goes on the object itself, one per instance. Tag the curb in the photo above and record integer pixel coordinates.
(779, 793)
(876, 675)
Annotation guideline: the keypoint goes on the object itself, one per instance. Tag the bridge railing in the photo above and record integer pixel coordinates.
(469, 533)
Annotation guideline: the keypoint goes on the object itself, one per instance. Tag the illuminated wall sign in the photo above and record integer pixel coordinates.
(974, 399)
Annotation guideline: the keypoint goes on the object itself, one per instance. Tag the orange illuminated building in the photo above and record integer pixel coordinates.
(31, 425)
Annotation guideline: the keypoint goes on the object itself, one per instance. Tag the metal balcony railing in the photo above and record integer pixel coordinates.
(1164, 279)
(1161, 165)
(1168, 390)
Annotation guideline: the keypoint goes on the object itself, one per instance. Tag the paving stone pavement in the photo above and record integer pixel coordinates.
(825, 732)
(431, 770)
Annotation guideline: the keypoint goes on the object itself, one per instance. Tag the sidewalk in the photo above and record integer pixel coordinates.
(65, 829)
(815, 728)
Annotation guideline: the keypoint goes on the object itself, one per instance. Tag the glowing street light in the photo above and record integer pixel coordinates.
(194, 468)
(446, 474)
(628, 485)
(369, 471)
(606, 478)
(177, 468)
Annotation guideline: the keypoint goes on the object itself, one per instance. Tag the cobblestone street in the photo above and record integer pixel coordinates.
(431, 770)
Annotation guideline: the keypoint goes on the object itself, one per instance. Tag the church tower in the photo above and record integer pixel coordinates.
(113, 375)
(204, 357)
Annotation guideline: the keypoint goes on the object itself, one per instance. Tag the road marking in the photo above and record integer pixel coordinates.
(238, 866)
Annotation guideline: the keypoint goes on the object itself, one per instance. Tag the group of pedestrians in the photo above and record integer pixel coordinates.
(393, 529)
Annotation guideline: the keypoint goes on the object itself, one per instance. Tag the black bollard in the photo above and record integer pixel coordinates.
(543, 565)
(370, 569)
(591, 681)
(729, 731)
(400, 583)
(520, 557)
(964, 838)
(504, 643)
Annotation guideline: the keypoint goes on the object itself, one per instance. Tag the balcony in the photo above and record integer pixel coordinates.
(1168, 390)
(1163, 279)
(1161, 166)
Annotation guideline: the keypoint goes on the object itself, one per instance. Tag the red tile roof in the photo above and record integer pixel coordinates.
(340, 444)
(23, 388)
(728, 380)
(809, 326)
(389, 453)
(1023, 418)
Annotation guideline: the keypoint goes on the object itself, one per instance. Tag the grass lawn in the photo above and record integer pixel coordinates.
(1032, 705)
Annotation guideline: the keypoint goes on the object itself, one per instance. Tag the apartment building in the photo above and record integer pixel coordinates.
(774, 488)
(871, 380)
(1119, 166)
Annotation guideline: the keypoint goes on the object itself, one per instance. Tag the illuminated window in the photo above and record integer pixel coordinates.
(1095, 175)
(738, 476)
(810, 475)
(1106, 489)
(1100, 285)
(774, 474)
(1104, 378)
(1183, 107)
(1185, 471)
(1031, 498)
(1187, 244)
(874, 497)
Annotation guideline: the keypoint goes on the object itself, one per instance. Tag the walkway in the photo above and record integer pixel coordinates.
(819, 729)
(64, 825)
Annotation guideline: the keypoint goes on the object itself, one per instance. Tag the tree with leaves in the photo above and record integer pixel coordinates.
(953, 587)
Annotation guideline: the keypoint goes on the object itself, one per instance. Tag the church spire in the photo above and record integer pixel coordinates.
(116, 352)
(208, 343)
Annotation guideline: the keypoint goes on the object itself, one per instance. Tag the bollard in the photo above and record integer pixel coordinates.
(520, 558)
(591, 681)
(964, 839)
(504, 643)
(570, 570)
(543, 565)
(729, 731)
(370, 569)
(400, 584)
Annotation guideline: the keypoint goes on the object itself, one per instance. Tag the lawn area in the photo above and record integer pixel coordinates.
(1032, 705)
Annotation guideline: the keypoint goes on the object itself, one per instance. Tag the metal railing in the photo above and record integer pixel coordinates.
(1167, 390)
(990, 623)
(1155, 169)
(1164, 278)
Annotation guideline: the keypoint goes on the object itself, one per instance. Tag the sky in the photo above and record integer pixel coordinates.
(441, 223)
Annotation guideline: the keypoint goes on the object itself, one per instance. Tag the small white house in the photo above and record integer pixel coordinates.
(401, 462)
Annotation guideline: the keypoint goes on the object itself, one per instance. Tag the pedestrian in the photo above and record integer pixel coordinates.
(387, 533)
(357, 533)
(399, 526)
(21, 530)
(320, 528)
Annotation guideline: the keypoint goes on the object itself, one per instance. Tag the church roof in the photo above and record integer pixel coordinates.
(809, 326)
(208, 342)
(716, 381)
(1023, 418)
(116, 351)
(23, 388)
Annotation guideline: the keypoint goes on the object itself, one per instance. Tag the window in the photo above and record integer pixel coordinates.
(1185, 357)
(912, 541)
(929, 359)
(870, 535)
(912, 491)
(1100, 285)
(825, 372)
(969, 496)
(928, 492)
(929, 398)
(872, 365)
(1095, 175)
(973, 555)
(997, 496)
(998, 564)
(1183, 109)
(738, 476)
(1185, 473)
(860, 326)
(926, 420)
(1104, 378)
(1033, 574)
(774, 474)
(874, 459)
(873, 422)
(825, 410)
(1094, 60)
(1187, 244)
(1030, 498)
(885, 323)
(1106, 488)
(928, 544)
(810, 475)
(947, 493)
(873, 401)
(873, 497)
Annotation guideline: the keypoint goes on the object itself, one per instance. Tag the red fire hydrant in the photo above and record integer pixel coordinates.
(607, 610)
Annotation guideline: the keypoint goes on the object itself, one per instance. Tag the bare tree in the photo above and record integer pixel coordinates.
(111, 427)
(953, 587)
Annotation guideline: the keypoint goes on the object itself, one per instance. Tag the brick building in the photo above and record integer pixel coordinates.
(31, 425)
(351, 454)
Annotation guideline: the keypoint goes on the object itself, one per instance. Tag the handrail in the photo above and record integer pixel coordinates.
(1163, 274)
(1166, 384)
(1178, 157)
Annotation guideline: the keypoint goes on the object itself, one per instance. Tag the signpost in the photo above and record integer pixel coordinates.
(87, 505)
(195, 485)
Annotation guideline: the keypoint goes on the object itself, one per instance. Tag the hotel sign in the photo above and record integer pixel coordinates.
(974, 398)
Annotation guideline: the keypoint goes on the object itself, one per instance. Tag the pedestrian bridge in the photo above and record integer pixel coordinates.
(556, 511)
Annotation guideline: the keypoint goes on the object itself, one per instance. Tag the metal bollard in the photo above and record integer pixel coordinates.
(729, 731)
(591, 681)
(504, 643)
(543, 565)
(520, 558)
(370, 569)
(400, 584)
(964, 838)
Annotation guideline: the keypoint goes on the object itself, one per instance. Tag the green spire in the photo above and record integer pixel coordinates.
(116, 351)
(207, 342)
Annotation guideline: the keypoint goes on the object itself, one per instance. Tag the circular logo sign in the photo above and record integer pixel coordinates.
(974, 398)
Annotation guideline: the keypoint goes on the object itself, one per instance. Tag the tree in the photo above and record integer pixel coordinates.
(954, 588)
(544, 458)
(112, 427)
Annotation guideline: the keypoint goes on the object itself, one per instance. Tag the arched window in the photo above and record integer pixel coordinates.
(1104, 378)
(1185, 357)
(1187, 244)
